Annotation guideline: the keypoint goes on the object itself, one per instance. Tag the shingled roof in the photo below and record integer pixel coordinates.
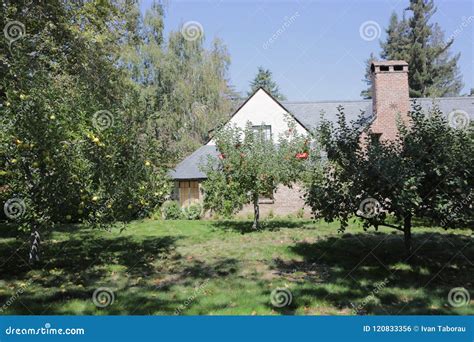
(309, 115)
(189, 167)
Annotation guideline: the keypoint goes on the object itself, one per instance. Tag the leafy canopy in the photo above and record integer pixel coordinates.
(426, 173)
(73, 138)
(250, 165)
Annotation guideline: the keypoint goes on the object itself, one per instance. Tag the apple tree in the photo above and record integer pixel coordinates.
(426, 173)
(74, 141)
(250, 165)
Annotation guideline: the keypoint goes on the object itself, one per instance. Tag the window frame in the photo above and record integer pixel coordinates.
(264, 128)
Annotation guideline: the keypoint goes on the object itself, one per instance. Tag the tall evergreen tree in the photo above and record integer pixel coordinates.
(433, 71)
(397, 44)
(367, 93)
(264, 79)
(395, 48)
(444, 86)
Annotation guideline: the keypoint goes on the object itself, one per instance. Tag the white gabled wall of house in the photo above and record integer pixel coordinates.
(260, 109)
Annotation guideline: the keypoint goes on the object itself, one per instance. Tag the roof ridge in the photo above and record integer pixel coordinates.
(329, 101)
(370, 100)
(444, 98)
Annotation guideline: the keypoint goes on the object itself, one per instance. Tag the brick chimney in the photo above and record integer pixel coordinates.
(390, 98)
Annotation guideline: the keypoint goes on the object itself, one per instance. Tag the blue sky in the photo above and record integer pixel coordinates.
(319, 53)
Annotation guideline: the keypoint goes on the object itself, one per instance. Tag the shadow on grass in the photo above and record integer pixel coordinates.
(141, 272)
(80, 254)
(73, 268)
(245, 226)
(370, 272)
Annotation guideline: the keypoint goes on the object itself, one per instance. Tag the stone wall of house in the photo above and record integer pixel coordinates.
(286, 201)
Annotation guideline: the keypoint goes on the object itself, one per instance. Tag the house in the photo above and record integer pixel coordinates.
(379, 116)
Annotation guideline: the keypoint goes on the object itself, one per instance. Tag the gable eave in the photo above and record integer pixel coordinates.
(271, 97)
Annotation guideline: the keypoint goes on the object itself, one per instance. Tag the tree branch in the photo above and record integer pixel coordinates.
(381, 223)
(391, 226)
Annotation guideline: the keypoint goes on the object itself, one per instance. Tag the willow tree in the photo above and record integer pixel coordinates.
(185, 85)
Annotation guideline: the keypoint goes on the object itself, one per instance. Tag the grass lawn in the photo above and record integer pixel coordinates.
(211, 267)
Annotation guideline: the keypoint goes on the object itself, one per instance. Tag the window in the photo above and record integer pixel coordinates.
(264, 130)
(188, 193)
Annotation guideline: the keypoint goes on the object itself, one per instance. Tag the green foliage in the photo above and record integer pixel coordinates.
(171, 210)
(132, 261)
(74, 140)
(300, 213)
(433, 71)
(426, 173)
(367, 93)
(184, 84)
(264, 80)
(250, 166)
(193, 212)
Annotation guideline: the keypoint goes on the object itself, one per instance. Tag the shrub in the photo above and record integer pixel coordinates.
(171, 211)
(300, 213)
(193, 212)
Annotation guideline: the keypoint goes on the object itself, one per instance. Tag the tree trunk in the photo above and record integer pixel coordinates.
(407, 233)
(35, 246)
(256, 213)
